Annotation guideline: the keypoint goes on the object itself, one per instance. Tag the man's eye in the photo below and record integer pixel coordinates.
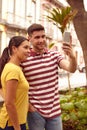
(37, 37)
(43, 36)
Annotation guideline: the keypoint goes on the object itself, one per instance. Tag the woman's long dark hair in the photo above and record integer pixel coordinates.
(7, 52)
(3, 60)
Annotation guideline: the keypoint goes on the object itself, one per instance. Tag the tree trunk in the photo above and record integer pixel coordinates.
(80, 24)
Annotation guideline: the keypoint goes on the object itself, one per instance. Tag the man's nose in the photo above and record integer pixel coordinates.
(41, 39)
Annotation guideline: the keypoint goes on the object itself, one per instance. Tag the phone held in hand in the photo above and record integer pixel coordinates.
(66, 37)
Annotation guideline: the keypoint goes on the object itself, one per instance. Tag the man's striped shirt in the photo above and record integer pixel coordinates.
(41, 72)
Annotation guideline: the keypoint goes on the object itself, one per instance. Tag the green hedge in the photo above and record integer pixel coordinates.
(74, 109)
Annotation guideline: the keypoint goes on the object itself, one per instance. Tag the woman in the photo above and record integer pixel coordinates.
(14, 85)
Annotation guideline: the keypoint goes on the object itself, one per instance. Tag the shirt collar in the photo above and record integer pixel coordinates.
(33, 53)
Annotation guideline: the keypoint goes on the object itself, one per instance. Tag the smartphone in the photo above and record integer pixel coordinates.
(66, 37)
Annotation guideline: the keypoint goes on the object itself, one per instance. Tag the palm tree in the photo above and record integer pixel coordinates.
(62, 18)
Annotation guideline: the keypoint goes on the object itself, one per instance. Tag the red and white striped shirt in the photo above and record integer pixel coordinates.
(41, 72)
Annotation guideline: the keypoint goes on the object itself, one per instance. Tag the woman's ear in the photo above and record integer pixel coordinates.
(14, 49)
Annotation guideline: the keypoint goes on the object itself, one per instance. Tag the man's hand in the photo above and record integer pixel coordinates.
(68, 50)
(31, 108)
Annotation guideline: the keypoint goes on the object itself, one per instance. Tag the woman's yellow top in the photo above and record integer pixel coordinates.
(12, 71)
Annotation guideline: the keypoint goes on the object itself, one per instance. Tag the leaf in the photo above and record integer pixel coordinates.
(51, 45)
(62, 17)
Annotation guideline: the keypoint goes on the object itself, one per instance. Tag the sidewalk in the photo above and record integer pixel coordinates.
(77, 79)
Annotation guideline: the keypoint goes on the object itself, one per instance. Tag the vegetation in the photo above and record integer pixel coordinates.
(74, 109)
(61, 17)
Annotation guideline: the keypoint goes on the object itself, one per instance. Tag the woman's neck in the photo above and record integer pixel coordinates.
(14, 60)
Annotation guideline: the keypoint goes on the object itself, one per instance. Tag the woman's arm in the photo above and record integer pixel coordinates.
(1, 93)
(10, 97)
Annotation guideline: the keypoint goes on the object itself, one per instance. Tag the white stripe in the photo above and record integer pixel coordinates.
(44, 91)
(48, 111)
(40, 64)
(43, 80)
(55, 113)
(38, 71)
(47, 101)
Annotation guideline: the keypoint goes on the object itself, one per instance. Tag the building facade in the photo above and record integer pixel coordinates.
(17, 15)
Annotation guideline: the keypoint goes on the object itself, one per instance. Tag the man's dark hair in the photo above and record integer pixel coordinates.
(34, 27)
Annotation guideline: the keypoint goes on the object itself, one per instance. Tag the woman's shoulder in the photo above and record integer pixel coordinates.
(11, 71)
(11, 67)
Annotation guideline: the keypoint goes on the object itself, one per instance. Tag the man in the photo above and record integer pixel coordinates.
(41, 71)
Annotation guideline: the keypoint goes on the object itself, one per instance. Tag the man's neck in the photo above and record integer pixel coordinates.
(38, 51)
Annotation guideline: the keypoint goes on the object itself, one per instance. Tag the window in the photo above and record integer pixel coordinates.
(16, 11)
(31, 11)
(10, 11)
(20, 11)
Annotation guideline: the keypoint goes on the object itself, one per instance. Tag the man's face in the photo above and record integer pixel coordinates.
(38, 40)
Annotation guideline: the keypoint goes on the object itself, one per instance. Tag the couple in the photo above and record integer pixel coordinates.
(41, 71)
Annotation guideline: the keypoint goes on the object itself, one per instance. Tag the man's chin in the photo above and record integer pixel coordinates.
(41, 48)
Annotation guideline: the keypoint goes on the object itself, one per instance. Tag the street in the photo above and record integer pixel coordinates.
(77, 79)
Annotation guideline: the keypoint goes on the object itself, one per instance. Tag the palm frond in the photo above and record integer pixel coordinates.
(51, 45)
(62, 18)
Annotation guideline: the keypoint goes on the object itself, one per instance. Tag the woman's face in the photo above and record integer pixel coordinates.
(22, 52)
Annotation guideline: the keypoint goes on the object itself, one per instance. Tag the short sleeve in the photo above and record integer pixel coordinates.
(59, 56)
(12, 74)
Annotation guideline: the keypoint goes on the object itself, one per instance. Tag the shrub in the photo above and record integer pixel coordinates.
(74, 109)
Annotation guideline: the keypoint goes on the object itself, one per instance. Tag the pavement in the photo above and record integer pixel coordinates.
(76, 79)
